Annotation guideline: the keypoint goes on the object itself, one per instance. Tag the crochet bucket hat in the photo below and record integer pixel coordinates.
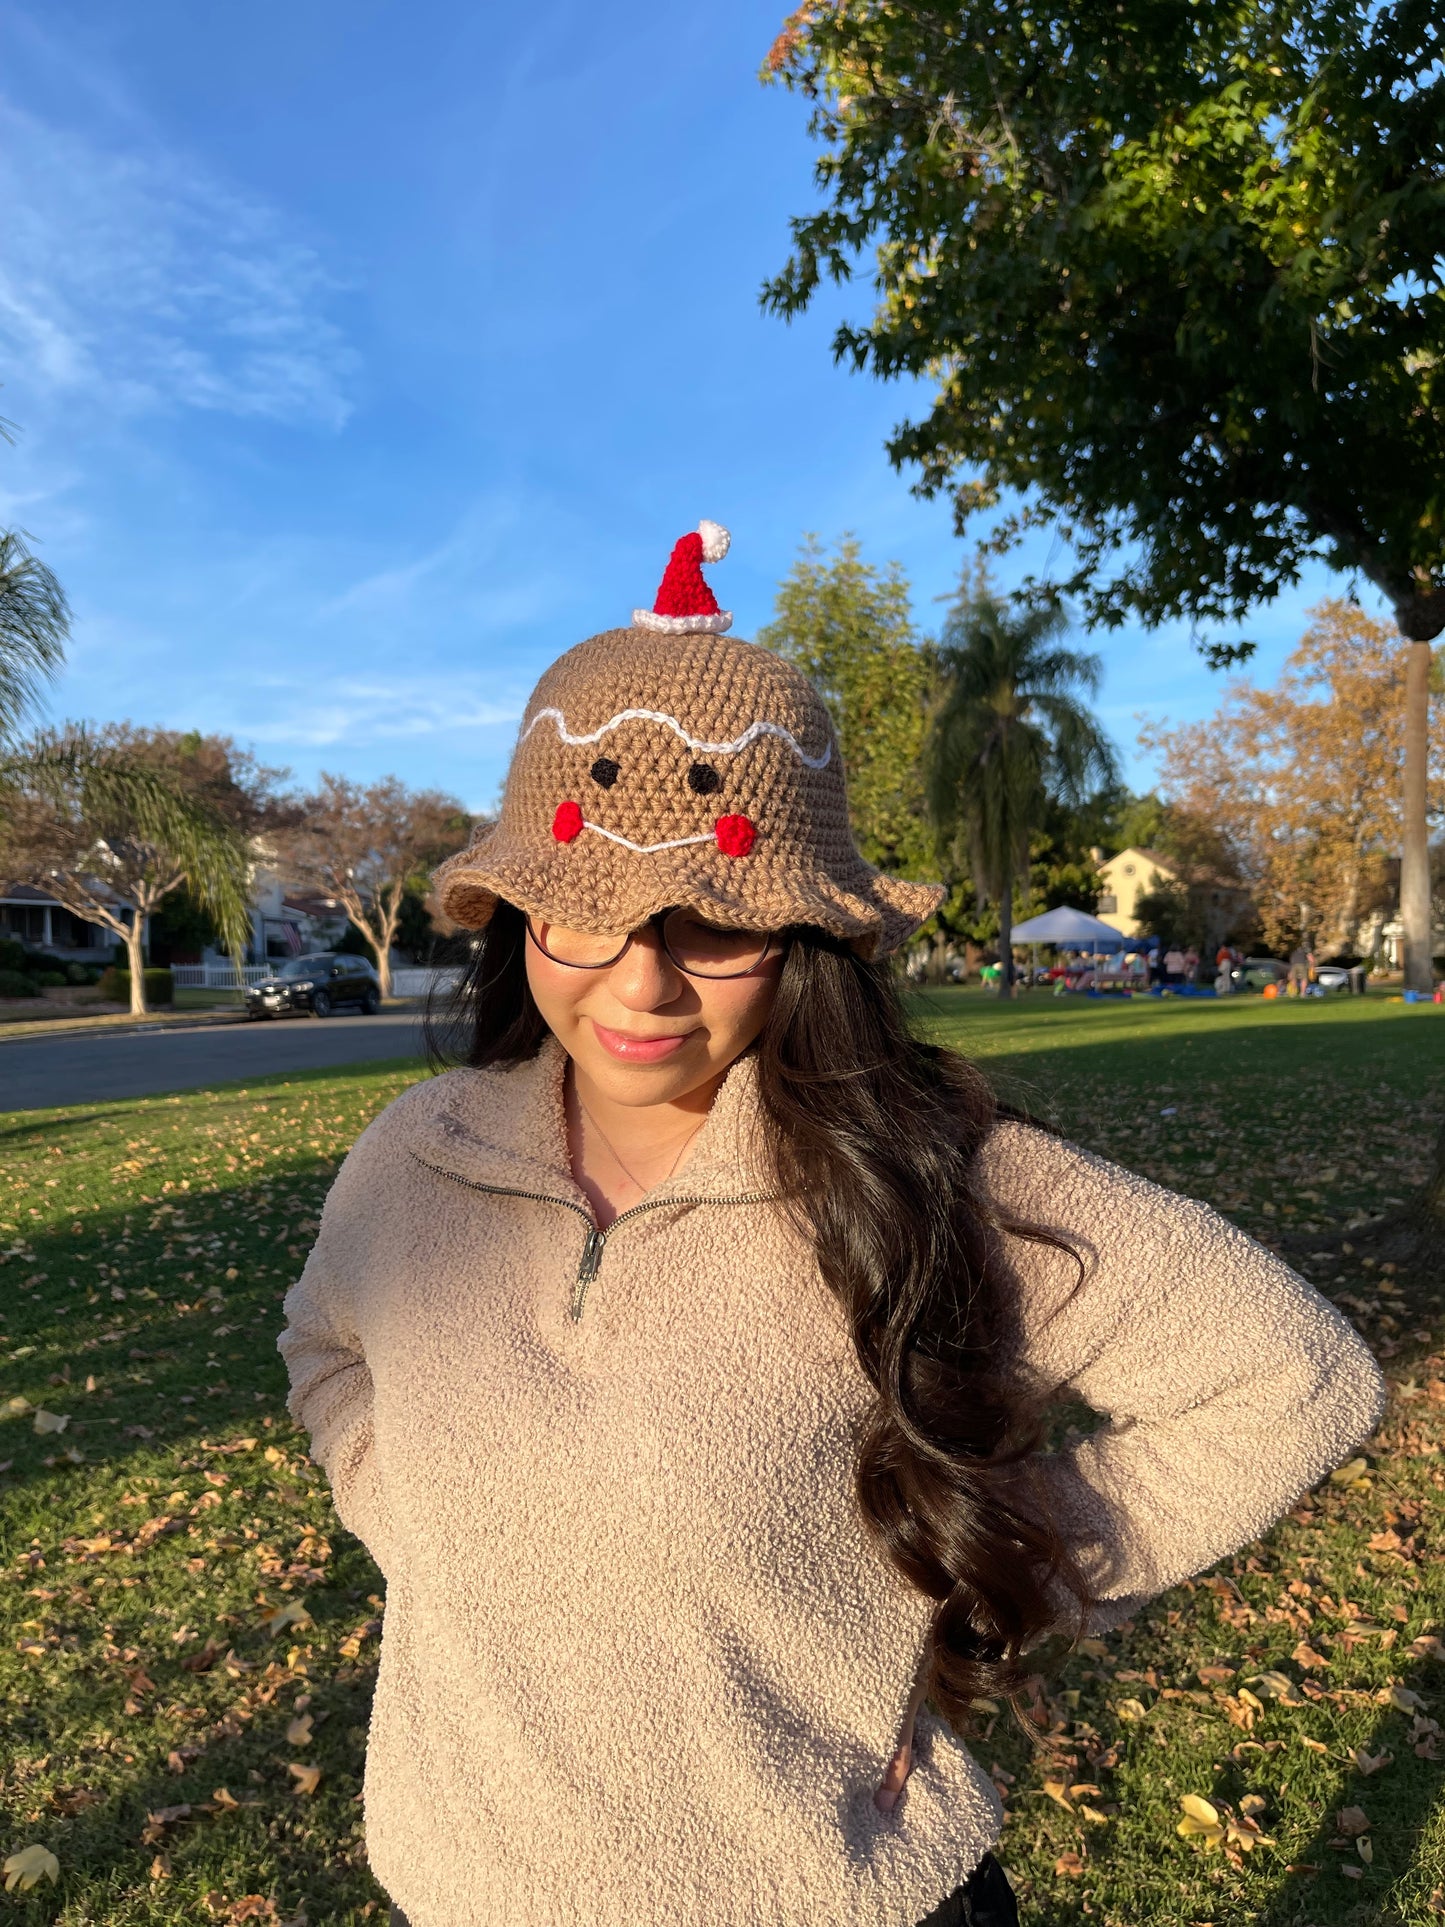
(670, 764)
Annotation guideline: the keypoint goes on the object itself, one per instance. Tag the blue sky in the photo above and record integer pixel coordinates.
(367, 356)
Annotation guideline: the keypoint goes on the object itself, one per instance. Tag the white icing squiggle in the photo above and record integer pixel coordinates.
(749, 735)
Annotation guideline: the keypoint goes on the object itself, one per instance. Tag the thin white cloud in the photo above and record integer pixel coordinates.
(131, 275)
(284, 714)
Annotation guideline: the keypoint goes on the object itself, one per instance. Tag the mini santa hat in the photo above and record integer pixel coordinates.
(685, 605)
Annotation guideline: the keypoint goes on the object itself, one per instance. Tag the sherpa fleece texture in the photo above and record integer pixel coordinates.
(642, 1666)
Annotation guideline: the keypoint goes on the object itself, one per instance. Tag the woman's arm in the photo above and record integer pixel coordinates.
(1227, 1385)
(331, 1387)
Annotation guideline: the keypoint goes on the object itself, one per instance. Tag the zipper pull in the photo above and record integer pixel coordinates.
(587, 1267)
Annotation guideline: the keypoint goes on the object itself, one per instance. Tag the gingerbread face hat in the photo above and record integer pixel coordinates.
(669, 764)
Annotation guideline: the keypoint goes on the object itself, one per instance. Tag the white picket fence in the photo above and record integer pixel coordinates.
(222, 976)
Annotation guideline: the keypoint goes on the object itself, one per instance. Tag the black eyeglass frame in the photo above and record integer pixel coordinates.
(658, 922)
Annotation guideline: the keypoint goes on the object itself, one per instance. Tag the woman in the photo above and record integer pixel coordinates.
(680, 1358)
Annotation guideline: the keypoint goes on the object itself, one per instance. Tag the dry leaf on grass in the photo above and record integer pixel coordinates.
(1216, 1825)
(307, 1778)
(1368, 1763)
(1069, 1865)
(1277, 1686)
(1305, 1655)
(29, 1865)
(292, 1613)
(298, 1733)
(1352, 1821)
(50, 1421)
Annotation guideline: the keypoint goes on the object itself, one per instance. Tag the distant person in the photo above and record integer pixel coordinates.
(1224, 971)
(1174, 965)
(1191, 964)
(1301, 964)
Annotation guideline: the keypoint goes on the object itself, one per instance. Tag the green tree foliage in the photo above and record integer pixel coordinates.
(1009, 732)
(1176, 271)
(849, 626)
(110, 835)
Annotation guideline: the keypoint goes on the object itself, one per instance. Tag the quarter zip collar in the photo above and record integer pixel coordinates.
(507, 1136)
(505, 1129)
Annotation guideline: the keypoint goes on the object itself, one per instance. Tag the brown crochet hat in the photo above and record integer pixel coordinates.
(668, 763)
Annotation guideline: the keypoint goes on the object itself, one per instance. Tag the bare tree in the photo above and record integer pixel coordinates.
(366, 845)
(110, 831)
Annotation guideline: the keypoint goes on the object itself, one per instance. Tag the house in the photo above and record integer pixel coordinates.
(1136, 872)
(39, 922)
(288, 923)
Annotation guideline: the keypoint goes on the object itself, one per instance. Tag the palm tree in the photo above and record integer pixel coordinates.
(1008, 732)
(34, 626)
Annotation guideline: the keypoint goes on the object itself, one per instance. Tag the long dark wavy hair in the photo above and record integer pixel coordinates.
(874, 1140)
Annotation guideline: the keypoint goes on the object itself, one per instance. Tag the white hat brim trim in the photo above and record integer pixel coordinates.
(717, 625)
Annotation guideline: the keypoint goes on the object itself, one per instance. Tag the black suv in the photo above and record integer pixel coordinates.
(319, 984)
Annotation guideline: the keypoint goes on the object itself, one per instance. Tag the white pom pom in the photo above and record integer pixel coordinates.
(715, 541)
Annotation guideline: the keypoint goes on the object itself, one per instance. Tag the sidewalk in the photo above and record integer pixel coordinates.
(111, 1024)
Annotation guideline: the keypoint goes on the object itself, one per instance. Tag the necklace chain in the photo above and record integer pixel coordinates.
(641, 1189)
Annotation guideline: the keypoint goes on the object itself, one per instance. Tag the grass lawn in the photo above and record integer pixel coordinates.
(188, 1638)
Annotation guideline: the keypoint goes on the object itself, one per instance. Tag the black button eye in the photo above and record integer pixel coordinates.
(606, 772)
(703, 779)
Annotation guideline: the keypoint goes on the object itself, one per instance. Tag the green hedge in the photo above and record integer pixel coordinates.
(115, 987)
(15, 983)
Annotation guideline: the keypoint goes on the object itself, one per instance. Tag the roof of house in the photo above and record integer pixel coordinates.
(1168, 864)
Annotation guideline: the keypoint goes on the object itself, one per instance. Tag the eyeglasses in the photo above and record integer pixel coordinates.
(698, 948)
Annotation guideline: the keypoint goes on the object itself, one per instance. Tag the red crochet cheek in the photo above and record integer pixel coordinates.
(567, 823)
(735, 835)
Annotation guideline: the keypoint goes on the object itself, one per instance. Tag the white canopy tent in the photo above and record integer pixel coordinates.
(1071, 930)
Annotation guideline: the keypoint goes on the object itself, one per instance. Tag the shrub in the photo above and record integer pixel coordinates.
(12, 954)
(79, 973)
(51, 979)
(15, 983)
(37, 961)
(115, 987)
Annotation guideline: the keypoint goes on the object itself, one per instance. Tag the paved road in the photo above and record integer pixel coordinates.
(85, 1070)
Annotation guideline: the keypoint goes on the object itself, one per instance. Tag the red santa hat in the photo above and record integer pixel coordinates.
(684, 604)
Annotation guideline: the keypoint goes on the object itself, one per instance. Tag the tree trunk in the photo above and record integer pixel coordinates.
(135, 956)
(1005, 935)
(1415, 863)
(380, 941)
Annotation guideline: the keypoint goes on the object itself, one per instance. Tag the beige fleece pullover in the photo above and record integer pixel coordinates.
(642, 1666)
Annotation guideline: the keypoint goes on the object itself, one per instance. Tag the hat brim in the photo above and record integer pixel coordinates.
(868, 909)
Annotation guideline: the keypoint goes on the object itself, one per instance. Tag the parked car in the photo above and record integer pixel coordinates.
(1256, 972)
(319, 984)
(1333, 977)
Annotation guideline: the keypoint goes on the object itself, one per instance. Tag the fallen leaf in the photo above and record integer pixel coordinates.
(1351, 1474)
(1365, 1850)
(1278, 1686)
(50, 1421)
(29, 1865)
(1130, 1709)
(1352, 1821)
(1305, 1655)
(15, 1407)
(307, 1778)
(1400, 1697)
(1368, 1763)
(292, 1613)
(1253, 1803)
(298, 1733)
(1069, 1865)
(1427, 1646)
